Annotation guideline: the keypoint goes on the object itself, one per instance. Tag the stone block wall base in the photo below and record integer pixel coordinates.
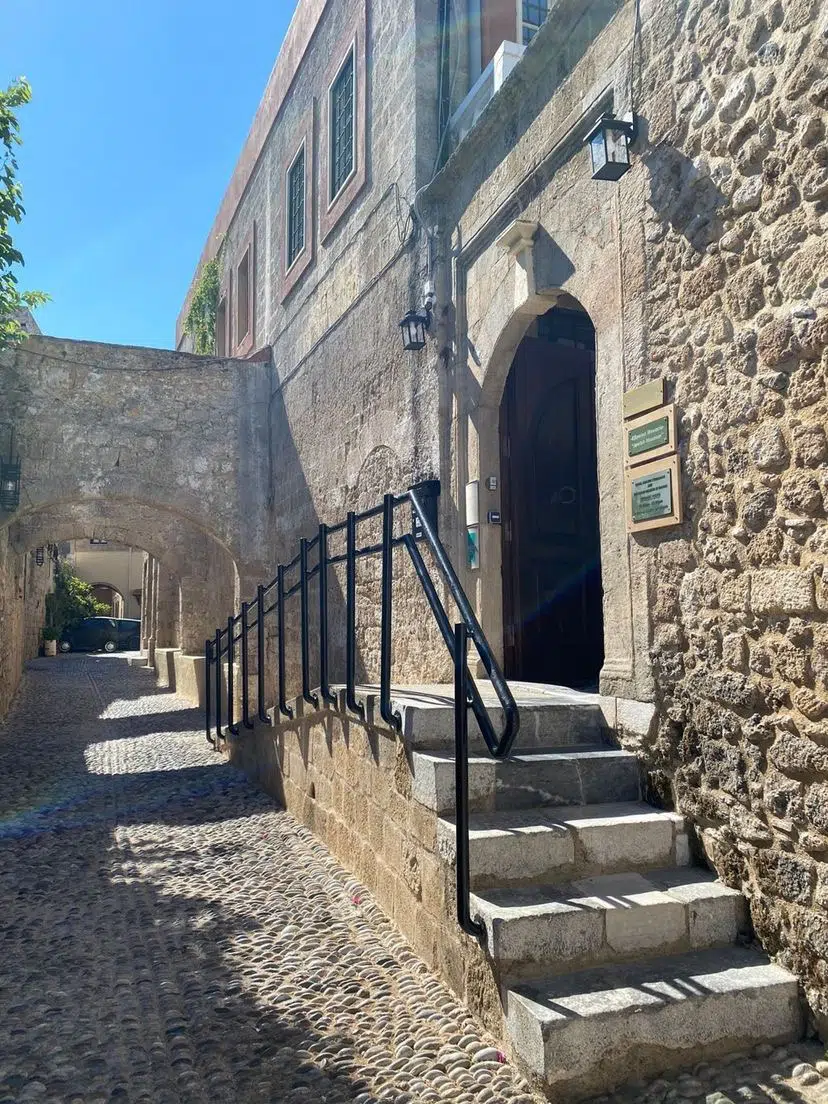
(188, 676)
(165, 667)
(350, 784)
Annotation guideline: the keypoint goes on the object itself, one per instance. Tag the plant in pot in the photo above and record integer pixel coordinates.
(49, 641)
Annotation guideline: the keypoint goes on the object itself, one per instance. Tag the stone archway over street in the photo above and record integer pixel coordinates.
(156, 449)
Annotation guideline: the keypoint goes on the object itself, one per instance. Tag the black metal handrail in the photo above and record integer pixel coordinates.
(312, 563)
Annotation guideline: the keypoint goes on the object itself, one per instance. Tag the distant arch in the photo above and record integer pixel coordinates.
(207, 571)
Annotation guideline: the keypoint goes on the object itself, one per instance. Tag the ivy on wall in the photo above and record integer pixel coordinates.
(200, 323)
(71, 600)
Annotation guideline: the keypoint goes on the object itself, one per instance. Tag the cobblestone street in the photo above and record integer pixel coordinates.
(169, 935)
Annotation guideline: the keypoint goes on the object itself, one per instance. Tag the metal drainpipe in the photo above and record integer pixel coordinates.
(475, 41)
(444, 106)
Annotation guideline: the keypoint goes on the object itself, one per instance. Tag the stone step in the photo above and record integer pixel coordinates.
(586, 1033)
(549, 716)
(522, 847)
(608, 918)
(584, 774)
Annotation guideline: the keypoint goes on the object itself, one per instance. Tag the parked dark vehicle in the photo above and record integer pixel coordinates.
(102, 634)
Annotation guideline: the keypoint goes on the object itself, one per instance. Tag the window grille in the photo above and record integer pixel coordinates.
(296, 208)
(342, 126)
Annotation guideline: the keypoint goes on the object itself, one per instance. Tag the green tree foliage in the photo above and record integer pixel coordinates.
(200, 323)
(70, 602)
(12, 299)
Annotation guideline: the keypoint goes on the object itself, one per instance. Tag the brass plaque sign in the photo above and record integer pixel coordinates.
(646, 397)
(654, 495)
(651, 435)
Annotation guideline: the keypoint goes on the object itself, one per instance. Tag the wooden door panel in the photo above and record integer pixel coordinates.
(551, 564)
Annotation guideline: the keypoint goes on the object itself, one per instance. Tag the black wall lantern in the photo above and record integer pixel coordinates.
(9, 485)
(414, 326)
(609, 147)
(417, 323)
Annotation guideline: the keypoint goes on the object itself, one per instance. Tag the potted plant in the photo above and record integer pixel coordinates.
(49, 642)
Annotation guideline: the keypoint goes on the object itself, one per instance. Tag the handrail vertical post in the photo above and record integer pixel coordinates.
(386, 711)
(350, 617)
(310, 698)
(500, 748)
(245, 667)
(217, 650)
(231, 660)
(284, 708)
(324, 685)
(260, 648)
(461, 783)
(208, 662)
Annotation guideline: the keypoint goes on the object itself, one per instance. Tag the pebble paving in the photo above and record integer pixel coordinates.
(168, 935)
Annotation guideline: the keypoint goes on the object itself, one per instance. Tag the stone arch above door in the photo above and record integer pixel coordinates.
(504, 299)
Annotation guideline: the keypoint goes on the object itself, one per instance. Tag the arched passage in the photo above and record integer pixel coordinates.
(551, 553)
(110, 596)
(197, 575)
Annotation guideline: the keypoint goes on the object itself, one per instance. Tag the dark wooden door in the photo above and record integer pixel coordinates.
(551, 546)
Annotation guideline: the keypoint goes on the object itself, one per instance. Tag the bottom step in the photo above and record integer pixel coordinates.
(589, 1032)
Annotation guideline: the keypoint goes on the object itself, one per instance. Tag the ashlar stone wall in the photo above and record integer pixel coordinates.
(735, 97)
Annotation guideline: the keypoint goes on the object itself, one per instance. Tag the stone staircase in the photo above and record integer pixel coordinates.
(616, 958)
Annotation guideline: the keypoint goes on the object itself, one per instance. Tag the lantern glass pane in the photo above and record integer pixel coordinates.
(598, 151)
(616, 145)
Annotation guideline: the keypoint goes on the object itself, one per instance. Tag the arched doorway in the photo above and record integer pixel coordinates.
(552, 599)
(109, 596)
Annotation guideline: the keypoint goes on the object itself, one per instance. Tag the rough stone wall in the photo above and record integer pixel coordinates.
(23, 589)
(736, 259)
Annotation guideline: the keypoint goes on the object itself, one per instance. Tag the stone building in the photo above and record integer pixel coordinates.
(702, 270)
(401, 148)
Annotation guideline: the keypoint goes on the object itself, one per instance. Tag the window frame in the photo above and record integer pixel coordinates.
(352, 42)
(242, 344)
(350, 57)
(292, 273)
(223, 305)
(289, 178)
(521, 23)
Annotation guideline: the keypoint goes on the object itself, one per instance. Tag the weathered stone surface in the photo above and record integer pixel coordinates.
(794, 754)
(791, 878)
(768, 449)
(782, 591)
(816, 805)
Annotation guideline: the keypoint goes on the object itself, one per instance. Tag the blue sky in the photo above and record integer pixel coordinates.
(139, 111)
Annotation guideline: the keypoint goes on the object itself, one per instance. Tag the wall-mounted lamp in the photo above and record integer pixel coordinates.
(416, 323)
(609, 147)
(9, 485)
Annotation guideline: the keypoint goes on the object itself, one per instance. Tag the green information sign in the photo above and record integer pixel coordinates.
(652, 496)
(649, 436)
